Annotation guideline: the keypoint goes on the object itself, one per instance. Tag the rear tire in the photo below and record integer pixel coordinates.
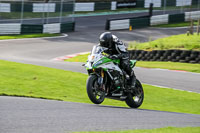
(135, 100)
(94, 93)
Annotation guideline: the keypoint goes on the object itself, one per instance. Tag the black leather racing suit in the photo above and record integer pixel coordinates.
(119, 51)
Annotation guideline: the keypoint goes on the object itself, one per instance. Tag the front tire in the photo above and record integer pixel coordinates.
(135, 99)
(94, 93)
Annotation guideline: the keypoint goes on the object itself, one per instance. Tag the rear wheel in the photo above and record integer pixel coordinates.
(95, 94)
(135, 99)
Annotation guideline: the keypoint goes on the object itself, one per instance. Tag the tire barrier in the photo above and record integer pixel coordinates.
(183, 56)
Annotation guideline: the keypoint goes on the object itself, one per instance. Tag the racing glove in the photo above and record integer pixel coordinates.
(114, 57)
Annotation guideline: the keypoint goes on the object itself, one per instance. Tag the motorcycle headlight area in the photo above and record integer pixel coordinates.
(91, 58)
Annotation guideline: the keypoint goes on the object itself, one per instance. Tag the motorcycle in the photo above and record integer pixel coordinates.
(107, 80)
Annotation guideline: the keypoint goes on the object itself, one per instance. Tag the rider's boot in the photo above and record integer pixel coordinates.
(132, 80)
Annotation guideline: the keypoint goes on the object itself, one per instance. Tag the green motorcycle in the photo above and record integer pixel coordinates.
(107, 80)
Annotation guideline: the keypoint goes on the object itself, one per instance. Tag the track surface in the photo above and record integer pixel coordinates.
(44, 116)
(22, 115)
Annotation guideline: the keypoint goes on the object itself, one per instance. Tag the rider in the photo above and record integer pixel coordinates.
(117, 50)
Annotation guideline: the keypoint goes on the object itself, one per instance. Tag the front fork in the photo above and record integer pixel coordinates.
(100, 79)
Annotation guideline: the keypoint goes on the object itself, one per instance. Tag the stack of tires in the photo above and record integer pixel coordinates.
(175, 56)
(194, 57)
(185, 56)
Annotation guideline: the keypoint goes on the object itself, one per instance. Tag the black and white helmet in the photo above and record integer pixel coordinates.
(106, 39)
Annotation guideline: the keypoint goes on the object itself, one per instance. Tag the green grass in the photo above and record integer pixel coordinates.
(29, 15)
(181, 41)
(41, 82)
(183, 24)
(170, 65)
(27, 36)
(158, 130)
(79, 58)
(156, 64)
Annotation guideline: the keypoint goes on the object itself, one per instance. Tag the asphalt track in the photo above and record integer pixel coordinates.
(20, 115)
(26, 115)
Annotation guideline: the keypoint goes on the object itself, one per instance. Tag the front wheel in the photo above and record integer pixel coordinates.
(135, 99)
(95, 94)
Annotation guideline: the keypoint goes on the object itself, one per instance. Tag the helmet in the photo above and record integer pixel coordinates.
(106, 39)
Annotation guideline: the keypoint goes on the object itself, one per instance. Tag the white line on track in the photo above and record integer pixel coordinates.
(62, 36)
(160, 69)
(174, 27)
(170, 88)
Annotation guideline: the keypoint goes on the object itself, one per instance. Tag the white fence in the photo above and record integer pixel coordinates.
(154, 20)
(119, 24)
(113, 5)
(160, 19)
(44, 7)
(10, 28)
(51, 28)
(183, 2)
(192, 15)
(156, 3)
(5, 7)
(84, 6)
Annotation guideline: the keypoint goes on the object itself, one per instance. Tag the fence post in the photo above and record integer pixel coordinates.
(47, 12)
(61, 10)
(191, 27)
(151, 9)
(198, 24)
(43, 15)
(164, 6)
(181, 10)
(73, 12)
(22, 11)
(198, 4)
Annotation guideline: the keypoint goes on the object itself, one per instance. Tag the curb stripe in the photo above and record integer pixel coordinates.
(65, 57)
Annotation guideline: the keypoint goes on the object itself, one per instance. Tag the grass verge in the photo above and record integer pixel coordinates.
(158, 130)
(156, 64)
(181, 41)
(79, 58)
(183, 24)
(170, 65)
(41, 82)
(27, 36)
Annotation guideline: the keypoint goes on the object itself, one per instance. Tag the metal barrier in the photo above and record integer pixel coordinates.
(36, 16)
(148, 20)
(39, 12)
(17, 28)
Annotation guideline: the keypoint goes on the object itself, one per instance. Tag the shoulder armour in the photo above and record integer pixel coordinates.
(121, 46)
